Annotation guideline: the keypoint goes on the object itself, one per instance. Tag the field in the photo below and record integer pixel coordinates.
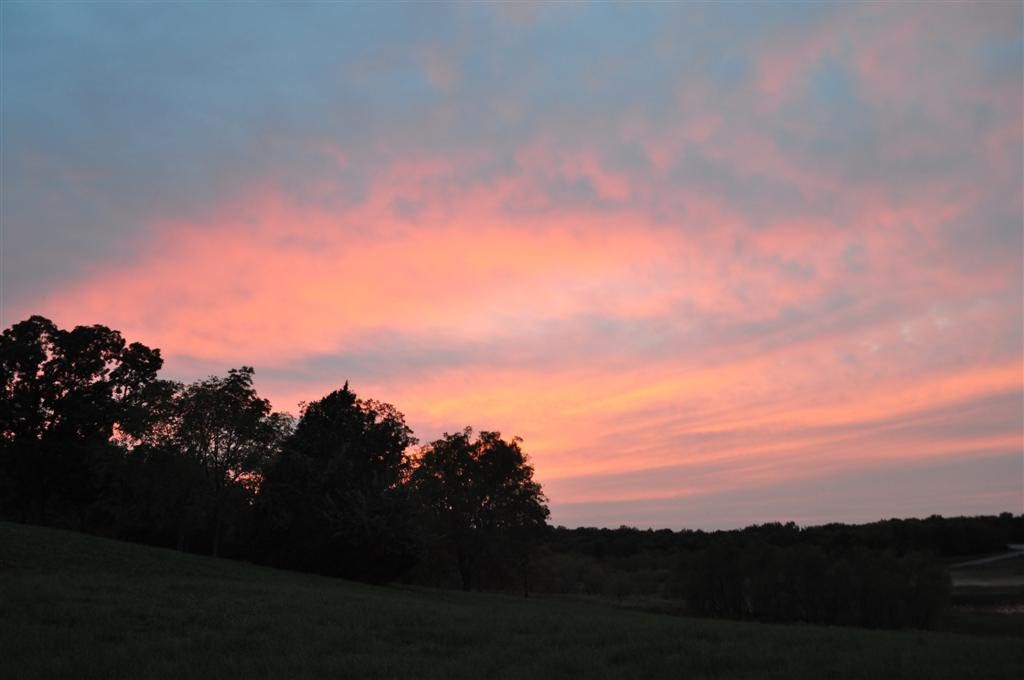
(75, 606)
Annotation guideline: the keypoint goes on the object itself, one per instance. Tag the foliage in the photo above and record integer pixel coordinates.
(66, 394)
(224, 426)
(479, 499)
(335, 500)
(803, 583)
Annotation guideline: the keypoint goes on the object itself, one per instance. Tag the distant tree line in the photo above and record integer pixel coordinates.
(92, 439)
(803, 582)
(884, 574)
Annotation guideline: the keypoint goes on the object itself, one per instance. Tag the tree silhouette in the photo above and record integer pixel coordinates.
(335, 501)
(224, 425)
(480, 499)
(75, 384)
(91, 439)
(65, 395)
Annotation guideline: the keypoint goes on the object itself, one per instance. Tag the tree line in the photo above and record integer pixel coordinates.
(92, 439)
(890, 573)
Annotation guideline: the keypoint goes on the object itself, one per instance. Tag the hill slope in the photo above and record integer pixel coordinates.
(77, 606)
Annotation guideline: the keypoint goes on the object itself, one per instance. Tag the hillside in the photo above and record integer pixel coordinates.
(75, 606)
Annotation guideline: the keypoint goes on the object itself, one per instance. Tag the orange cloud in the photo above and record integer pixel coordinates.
(733, 348)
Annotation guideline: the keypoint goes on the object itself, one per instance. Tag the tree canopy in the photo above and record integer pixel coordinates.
(335, 500)
(479, 496)
(75, 385)
(66, 393)
(224, 425)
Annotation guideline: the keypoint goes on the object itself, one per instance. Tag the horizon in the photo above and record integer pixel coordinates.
(718, 265)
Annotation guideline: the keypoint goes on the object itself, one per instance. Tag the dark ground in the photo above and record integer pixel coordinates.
(76, 606)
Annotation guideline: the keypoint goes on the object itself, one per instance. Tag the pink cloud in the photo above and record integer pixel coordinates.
(758, 346)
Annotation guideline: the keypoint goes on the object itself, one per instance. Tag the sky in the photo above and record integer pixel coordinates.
(717, 263)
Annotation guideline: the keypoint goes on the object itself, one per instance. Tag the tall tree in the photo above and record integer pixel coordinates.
(335, 501)
(480, 499)
(224, 425)
(65, 396)
(78, 384)
(25, 349)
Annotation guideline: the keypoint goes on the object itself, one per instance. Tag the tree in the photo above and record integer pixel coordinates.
(480, 499)
(25, 348)
(224, 425)
(335, 502)
(77, 384)
(66, 394)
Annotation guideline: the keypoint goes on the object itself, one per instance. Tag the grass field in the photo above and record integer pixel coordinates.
(75, 606)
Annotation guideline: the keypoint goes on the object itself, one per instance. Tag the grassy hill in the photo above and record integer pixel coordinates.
(75, 606)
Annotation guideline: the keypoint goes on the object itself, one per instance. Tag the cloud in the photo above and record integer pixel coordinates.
(969, 485)
(688, 252)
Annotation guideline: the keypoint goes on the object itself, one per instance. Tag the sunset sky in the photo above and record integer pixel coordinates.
(717, 264)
